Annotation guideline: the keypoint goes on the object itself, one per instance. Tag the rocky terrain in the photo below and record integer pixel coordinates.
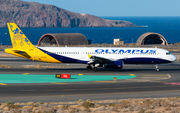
(31, 14)
(160, 105)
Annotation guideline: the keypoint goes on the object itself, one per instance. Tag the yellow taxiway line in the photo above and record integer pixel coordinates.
(132, 74)
(107, 81)
(58, 83)
(26, 73)
(3, 84)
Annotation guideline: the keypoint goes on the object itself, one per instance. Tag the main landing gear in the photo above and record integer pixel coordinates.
(95, 68)
(90, 68)
(157, 68)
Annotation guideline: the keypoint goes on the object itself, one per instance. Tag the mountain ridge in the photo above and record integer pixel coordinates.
(32, 14)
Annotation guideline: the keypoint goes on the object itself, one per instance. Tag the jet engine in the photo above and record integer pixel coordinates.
(118, 64)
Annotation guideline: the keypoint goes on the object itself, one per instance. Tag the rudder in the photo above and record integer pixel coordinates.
(18, 39)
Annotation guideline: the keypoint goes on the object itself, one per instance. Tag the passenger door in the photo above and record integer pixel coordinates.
(159, 54)
(83, 54)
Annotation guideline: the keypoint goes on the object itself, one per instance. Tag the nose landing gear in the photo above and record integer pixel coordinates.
(157, 67)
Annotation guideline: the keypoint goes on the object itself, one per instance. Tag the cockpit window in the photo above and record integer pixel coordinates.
(168, 53)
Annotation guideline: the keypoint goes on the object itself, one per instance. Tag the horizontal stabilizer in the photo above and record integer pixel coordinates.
(21, 53)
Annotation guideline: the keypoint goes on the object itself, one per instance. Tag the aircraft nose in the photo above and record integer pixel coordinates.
(174, 58)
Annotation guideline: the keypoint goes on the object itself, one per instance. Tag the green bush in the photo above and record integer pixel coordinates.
(9, 102)
(142, 111)
(39, 102)
(112, 104)
(88, 104)
(29, 103)
(51, 111)
(65, 107)
(34, 105)
(12, 106)
(125, 104)
(80, 100)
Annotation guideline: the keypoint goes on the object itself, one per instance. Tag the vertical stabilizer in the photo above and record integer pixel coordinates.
(18, 39)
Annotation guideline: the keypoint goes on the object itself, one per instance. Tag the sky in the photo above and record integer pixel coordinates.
(118, 7)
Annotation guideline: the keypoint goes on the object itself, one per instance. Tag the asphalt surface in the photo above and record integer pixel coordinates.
(148, 83)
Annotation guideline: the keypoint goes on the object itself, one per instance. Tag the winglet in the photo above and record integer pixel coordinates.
(89, 56)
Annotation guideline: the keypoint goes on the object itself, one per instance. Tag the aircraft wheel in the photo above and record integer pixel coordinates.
(89, 68)
(95, 68)
(157, 67)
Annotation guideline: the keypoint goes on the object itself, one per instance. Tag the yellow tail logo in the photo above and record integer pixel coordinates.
(18, 39)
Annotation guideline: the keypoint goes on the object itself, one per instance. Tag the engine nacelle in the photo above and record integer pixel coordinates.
(114, 64)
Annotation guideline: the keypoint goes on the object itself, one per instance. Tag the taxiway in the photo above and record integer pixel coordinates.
(148, 83)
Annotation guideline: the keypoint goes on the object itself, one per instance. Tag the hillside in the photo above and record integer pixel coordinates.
(31, 14)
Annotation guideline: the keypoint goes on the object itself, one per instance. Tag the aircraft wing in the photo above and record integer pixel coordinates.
(98, 59)
(105, 62)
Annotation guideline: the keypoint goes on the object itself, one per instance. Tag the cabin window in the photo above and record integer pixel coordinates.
(168, 53)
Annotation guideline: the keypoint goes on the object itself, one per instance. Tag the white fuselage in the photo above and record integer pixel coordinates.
(127, 55)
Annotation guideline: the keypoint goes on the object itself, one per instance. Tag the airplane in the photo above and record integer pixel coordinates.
(94, 57)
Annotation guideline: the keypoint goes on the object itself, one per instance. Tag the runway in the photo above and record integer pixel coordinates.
(148, 83)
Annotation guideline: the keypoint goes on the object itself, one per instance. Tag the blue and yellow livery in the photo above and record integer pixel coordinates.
(107, 57)
(22, 47)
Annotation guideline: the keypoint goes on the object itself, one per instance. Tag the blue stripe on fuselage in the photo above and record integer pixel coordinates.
(63, 58)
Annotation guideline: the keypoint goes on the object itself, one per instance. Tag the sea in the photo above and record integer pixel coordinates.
(169, 27)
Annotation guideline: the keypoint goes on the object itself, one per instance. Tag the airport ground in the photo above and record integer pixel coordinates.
(147, 83)
(141, 81)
